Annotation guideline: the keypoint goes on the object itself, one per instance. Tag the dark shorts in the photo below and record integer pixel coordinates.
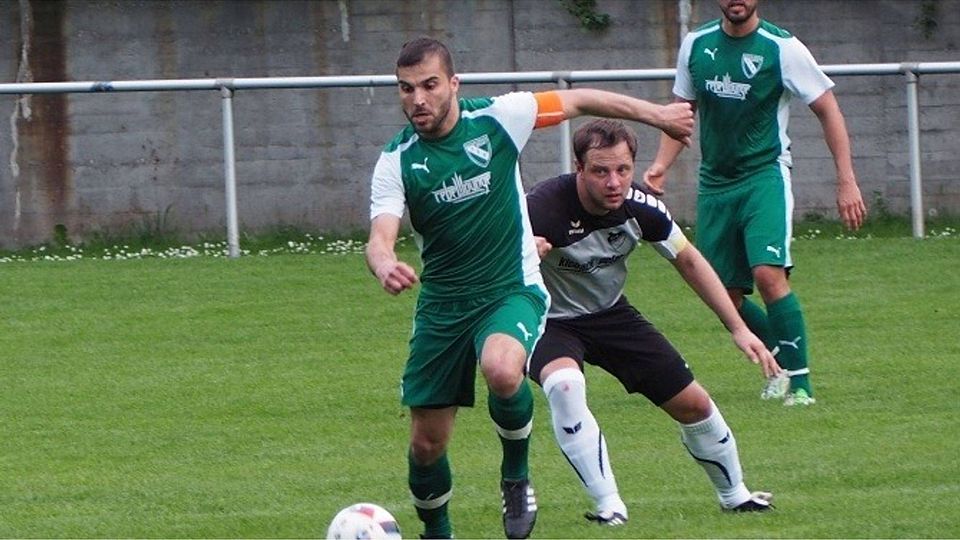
(621, 342)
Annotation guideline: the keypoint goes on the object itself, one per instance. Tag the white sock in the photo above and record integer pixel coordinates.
(580, 439)
(712, 445)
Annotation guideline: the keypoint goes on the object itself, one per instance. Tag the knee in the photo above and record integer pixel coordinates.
(502, 364)
(502, 378)
(425, 450)
(736, 296)
(694, 411)
(771, 282)
(700, 408)
(691, 405)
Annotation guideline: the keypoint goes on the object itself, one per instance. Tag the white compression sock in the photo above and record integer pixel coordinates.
(580, 439)
(712, 445)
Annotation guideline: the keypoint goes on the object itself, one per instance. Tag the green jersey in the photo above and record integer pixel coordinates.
(743, 88)
(465, 198)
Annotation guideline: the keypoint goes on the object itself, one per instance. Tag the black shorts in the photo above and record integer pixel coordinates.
(621, 342)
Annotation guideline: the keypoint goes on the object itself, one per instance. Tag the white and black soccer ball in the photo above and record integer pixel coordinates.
(364, 521)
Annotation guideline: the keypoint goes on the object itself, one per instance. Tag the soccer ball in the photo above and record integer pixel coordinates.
(364, 521)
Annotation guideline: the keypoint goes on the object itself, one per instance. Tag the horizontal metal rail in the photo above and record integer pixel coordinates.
(563, 79)
(347, 81)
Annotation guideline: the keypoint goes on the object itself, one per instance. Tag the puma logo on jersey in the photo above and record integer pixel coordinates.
(420, 166)
(526, 335)
(774, 250)
(712, 54)
(795, 343)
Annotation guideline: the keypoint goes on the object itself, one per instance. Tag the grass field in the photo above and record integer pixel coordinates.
(213, 398)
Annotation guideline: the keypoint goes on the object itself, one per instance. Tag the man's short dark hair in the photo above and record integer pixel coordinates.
(602, 133)
(413, 52)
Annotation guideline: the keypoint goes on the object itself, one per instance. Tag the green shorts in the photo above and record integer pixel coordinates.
(747, 225)
(448, 338)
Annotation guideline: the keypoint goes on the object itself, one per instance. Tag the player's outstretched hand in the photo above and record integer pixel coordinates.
(676, 120)
(396, 276)
(757, 352)
(654, 178)
(850, 205)
(543, 246)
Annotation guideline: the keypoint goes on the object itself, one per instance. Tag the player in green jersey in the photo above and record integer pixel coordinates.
(740, 72)
(482, 299)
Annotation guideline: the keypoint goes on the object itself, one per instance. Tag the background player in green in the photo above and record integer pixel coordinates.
(482, 298)
(739, 72)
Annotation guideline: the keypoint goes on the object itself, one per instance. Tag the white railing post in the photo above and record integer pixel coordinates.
(230, 172)
(566, 141)
(913, 135)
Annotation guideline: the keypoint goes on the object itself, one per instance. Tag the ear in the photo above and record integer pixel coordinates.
(455, 83)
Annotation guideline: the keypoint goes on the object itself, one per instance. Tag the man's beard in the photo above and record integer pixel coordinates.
(442, 112)
(740, 19)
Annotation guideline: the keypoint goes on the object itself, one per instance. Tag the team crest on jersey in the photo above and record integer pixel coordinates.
(616, 238)
(479, 150)
(751, 64)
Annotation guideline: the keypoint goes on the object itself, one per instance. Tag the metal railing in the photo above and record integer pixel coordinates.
(563, 79)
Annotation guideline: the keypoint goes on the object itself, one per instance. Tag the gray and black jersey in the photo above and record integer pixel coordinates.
(586, 270)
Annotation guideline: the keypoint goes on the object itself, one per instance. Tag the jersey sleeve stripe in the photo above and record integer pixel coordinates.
(549, 109)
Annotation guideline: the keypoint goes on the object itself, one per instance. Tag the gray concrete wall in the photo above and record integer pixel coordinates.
(129, 162)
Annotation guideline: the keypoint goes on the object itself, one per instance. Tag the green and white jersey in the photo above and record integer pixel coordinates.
(465, 198)
(743, 88)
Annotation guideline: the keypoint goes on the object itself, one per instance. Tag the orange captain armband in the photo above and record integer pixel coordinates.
(549, 109)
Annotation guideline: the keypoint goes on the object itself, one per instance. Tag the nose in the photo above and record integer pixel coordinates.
(419, 96)
(616, 180)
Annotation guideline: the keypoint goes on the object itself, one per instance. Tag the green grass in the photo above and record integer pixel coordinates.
(205, 397)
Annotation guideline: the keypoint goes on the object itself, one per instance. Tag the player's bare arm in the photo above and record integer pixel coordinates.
(850, 203)
(701, 277)
(395, 276)
(655, 177)
(675, 119)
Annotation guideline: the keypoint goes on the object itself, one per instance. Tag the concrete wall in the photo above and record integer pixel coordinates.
(128, 162)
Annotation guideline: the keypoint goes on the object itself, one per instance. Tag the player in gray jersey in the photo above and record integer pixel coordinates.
(740, 73)
(482, 300)
(586, 225)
